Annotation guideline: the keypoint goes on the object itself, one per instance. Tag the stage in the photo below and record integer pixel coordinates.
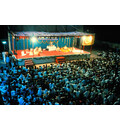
(50, 56)
(52, 44)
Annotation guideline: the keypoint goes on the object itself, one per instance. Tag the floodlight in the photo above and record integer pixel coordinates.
(4, 42)
(33, 39)
(90, 38)
(84, 37)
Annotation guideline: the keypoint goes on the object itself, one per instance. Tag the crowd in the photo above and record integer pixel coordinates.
(85, 82)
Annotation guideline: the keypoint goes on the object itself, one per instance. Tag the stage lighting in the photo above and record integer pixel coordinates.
(33, 39)
(84, 37)
(4, 42)
(90, 38)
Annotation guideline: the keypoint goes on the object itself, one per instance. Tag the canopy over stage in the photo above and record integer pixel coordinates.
(19, 41)
(51, 34)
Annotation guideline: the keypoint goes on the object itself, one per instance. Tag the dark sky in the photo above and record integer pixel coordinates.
(3, 31)
(40, 28)
(103, 32)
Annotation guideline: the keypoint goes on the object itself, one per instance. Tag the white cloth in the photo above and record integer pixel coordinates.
(75, 50)
(22, 53)
(51, 48)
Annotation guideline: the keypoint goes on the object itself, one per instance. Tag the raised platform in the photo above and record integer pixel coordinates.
(50, 56)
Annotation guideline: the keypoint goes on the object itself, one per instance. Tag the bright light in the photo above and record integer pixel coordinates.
(84, 37)
(33, 39)
(4, 42)
(90, 38)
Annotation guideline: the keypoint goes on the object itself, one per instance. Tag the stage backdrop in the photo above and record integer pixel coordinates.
(22, 44)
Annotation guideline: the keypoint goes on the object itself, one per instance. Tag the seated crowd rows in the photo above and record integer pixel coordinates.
(84, 82)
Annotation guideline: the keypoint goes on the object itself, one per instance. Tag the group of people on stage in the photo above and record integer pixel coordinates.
(38, 50)
(31, 51)
(51, 47)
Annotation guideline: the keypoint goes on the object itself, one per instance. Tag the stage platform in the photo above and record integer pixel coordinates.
(50, 56)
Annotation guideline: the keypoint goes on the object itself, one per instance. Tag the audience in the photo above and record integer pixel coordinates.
(85, 82)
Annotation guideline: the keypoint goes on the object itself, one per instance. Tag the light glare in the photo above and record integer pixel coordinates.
(4, 42)
(84, 37)
(33, 39)
(90, 38)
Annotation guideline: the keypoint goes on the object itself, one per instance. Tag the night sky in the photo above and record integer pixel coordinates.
(103, 32)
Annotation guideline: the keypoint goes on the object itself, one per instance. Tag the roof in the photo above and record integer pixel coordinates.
(54, 34)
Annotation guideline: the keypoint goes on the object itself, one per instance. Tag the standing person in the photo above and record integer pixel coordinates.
(15, 60)
(7, 61)
(11, 61)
